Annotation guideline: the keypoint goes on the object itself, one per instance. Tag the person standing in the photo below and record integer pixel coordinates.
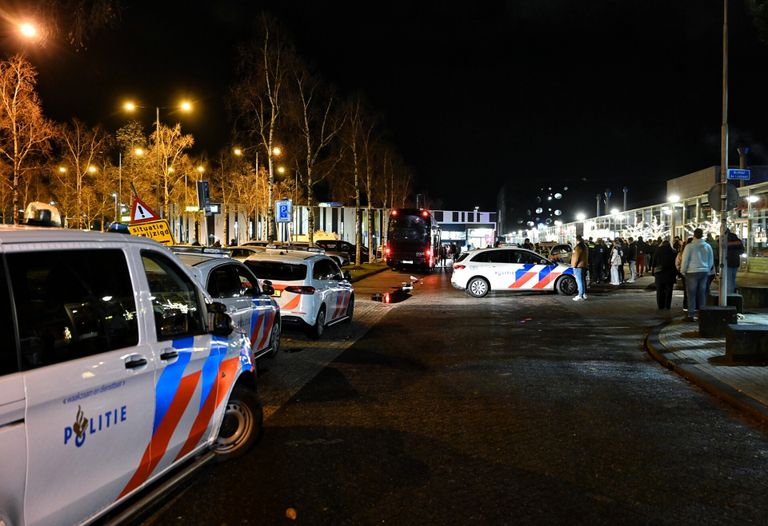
(615, 262)
(733, 259)
(642, 249)
(697, 260)
(632, 260)
(664, 274)
(580, 263)
(598, 263)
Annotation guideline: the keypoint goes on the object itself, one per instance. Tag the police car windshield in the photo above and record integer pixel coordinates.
(278, 270)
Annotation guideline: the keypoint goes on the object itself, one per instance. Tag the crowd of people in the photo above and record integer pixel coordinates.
(693, 261)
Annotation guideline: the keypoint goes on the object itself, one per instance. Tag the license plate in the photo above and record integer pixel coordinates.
(407, 262)
(277, 293)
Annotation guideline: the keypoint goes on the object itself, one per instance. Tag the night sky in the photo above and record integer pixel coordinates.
(589, 95)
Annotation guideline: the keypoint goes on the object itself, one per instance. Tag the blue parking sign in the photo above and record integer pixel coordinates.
(283, 210)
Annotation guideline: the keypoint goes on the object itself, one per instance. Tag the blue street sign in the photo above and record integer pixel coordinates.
(283, 210)
(737, 173)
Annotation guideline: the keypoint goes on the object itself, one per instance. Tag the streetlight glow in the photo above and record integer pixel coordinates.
(186, 106)
(674, 198)
(281, 169)
(201, 168)
(92, 169)
(581, 216)
(237, 151)
(129, 106)
(28, 30)
(277, 151)
(62, 170)
(139, 152)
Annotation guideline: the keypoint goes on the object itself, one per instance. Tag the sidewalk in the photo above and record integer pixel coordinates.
(677, 345)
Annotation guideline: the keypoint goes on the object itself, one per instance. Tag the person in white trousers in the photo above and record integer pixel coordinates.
(615, 261)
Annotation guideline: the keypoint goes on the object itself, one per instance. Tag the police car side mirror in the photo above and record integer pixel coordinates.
(266, 288)
(221, 324)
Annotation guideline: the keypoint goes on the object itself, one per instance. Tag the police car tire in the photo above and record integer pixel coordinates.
(566, 286)
(316, 330)
(274, 340)
(244, 407)
(478, 287)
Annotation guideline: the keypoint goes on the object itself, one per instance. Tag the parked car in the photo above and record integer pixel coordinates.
(345, 247)
(252, 308)
(479, 271)
(116, 369)
(341, 258)
(311, 290)
(243, 251)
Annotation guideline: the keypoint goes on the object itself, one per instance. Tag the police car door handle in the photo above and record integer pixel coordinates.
(169, 354)
(135, 361)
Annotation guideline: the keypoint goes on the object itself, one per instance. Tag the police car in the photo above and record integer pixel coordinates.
(227, 280)
(310, 288)
(116, 369)
(479, 271)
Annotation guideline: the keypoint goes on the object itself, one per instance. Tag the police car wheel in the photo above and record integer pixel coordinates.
(316, 330)
(241, 426)
(274, 340)
(567, 286)
(478, 287)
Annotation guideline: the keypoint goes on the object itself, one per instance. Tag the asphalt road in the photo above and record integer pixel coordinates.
(512, 409)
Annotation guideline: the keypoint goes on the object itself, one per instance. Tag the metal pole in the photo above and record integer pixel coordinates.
(159, 167)
(724, 168)
(119, 178)
(597, 205)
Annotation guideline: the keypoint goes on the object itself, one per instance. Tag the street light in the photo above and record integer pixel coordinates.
(114, 196)
(184, 106)
(28, 30)
(581, 216)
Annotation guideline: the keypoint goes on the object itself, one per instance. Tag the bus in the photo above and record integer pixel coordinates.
(413, 239)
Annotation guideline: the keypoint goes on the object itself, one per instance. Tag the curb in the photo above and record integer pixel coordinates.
(709, 383)
(369, 273)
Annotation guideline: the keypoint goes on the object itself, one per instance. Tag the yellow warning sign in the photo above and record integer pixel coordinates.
(157, 230)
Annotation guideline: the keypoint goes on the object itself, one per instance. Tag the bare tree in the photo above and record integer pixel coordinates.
(354, 138)
(319, 124)
(74, 20)
(168, 146)
(258, 97)
(24, 132)
(82, 147)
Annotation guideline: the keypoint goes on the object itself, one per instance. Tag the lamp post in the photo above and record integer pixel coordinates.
(114, 196)
(183, 106)
(723, 300)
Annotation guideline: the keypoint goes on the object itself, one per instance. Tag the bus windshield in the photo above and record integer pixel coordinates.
(408, 228)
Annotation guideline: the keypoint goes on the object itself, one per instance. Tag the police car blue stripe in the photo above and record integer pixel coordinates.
(545, 271)
(168, 384)
(211, 369)
(519, 273)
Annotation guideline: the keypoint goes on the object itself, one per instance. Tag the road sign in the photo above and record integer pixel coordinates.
(141, 213)
(203, 195)
(157, 230)
(738, 174)
(283, 210)
(714, 196)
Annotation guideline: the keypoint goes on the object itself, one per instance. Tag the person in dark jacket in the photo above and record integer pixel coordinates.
(664, 273)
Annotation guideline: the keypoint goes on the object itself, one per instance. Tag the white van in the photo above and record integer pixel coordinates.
(115, 369)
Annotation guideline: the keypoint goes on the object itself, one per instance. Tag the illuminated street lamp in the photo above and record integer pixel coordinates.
(28, 30)
(581, 216)
(138, 152)
(184, 106)
(62, 170)
(237, 151)
(281, 170)
(92, 169)
(277, 151)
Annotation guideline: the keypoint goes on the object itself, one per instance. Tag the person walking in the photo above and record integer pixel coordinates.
(695, 266)
(598, 263)
(733, 259)
(664, 274)
(580, 263)
(615, 261)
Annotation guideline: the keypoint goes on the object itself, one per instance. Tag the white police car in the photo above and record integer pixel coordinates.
(229, 281)
(116, 369)
(480, 271)
(310, 288)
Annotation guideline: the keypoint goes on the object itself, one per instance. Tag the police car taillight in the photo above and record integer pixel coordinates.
(459, 267)
(388, 251)
(300, 290)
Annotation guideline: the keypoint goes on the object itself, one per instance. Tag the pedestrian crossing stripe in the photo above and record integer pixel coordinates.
(141, 213)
